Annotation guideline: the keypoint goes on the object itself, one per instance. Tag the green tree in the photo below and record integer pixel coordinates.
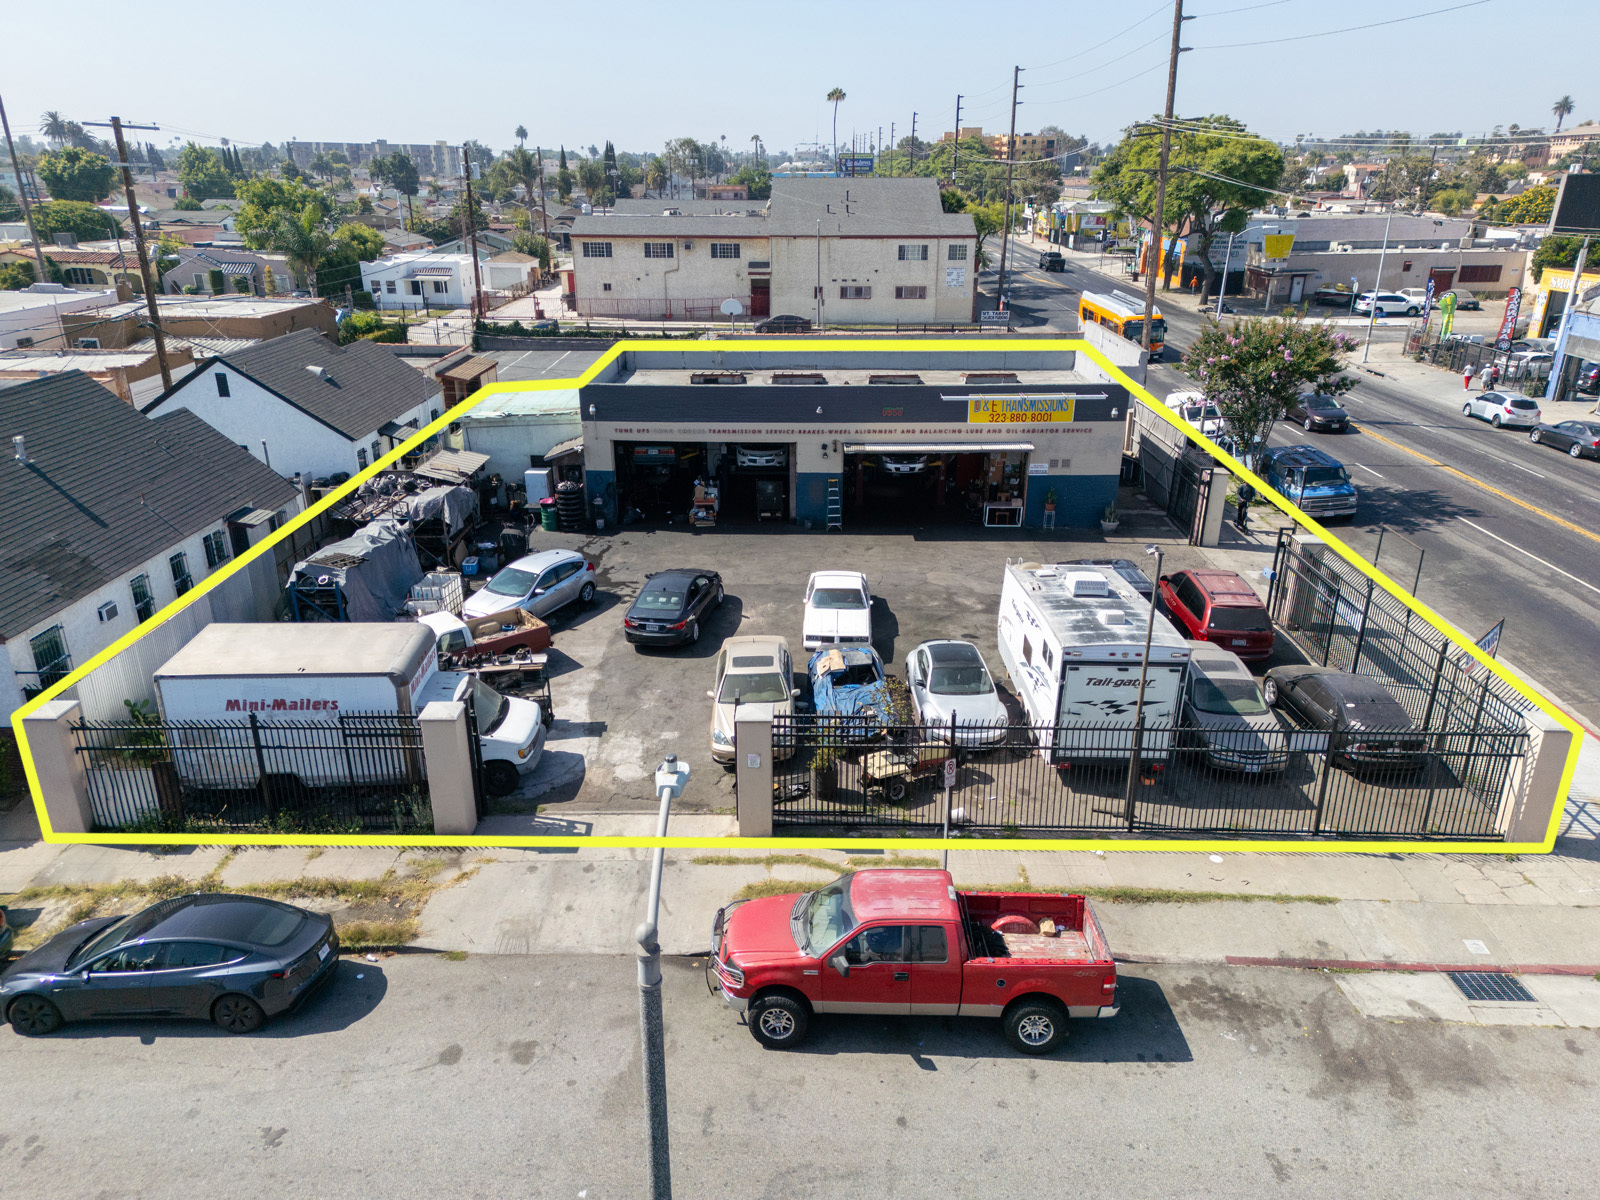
(521, 135)
(74, 174)
(1532, 207)
(202, 174)
(1253, 370)
(563, 178)
(18, 275)
(591, 178)
(656, 174)
(1215, 177)
(54, 127)
(757, 176)
(186, 204)
(340, 266)
(520, 168)
(835, 97)
(532, 244)
(1562, 109)
(399, 172)
(265, 200)
(76, 217)
(986, 219)
(480, 154)
(1559, 252)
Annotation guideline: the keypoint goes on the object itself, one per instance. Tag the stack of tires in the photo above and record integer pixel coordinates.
(569, 504)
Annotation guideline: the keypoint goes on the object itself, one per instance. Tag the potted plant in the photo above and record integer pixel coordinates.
(825, 772)
(1109, 520)
(1050, 500)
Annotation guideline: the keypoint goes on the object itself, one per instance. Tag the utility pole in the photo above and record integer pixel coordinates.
(819, 277)
(913, 141)
(544, 212)
(955, 159)
(22, 194)
(892, 170)
(138, 242)
(472, 234)
(1377, 286)
(1156, 247)
(1011, 162)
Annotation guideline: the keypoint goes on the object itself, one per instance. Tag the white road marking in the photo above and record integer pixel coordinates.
(551, 367)
(1367, 469)
(1535, 557)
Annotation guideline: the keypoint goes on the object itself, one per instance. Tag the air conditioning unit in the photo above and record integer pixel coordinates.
(688, 245)
(107, 611)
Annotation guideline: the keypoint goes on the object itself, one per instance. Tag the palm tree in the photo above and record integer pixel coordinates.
(521, 135)
(834, 97)
(520, 167)
(54, 127)
(755, 140)
(656, 175)
(1562, 109)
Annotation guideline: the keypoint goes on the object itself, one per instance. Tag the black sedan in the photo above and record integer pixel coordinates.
(1318, 413)
(1369, 727)
(235, 960)
(1581, 439)
(783, 324)
(671, 607)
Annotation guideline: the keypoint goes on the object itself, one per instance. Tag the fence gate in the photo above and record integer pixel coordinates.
(1177, 475)
(480, 794)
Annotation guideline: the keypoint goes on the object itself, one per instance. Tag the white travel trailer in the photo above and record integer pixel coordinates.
(1073, 642)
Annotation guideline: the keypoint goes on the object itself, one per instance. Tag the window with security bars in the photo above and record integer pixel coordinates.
(144, 604)
(855, 293)
(724, 249)
(913, 254)
(50, 657)
(910, 293)
(957, 254)
(216, 549)
(1480, 273)
(658, 249)
(182, 581)
(78, 276)
(597, 249)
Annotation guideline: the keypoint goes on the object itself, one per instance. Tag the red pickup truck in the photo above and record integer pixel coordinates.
(902, 941)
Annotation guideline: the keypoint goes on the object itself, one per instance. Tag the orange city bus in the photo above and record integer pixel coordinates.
(1124, 314)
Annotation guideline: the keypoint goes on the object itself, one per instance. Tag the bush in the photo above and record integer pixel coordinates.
(363, 299)
(370, 327)
(219, 281)
(241, 284)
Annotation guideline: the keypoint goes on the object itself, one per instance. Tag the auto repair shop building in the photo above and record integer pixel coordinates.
(854, 438)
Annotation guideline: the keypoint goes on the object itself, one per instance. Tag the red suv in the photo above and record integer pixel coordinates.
(1221, 608)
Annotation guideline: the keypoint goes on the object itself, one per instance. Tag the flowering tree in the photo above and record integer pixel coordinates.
(1253, 370)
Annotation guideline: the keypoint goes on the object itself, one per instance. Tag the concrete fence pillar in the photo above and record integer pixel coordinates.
(1532, 790)
(1216, 506)
(752, 744)
(448, 761)
(58, 766)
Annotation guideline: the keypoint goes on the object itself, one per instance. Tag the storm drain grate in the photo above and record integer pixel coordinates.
(1491, 985)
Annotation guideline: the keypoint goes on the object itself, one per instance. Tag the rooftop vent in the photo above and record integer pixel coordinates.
(1086, 583)
(319, 372)
(1113, 617)
(989, 377)
(717, 377)
(19, 448)
(894, 378)
(799, 377)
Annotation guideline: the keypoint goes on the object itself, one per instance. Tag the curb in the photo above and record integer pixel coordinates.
(1348, 964)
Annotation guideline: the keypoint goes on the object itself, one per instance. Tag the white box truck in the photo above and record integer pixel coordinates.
(1072, 639)
(332, 673)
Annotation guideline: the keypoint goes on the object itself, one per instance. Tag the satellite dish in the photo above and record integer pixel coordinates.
(731, 307)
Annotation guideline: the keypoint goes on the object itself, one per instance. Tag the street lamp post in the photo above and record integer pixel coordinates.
(670, 779)
(1144, 671)
(1377, 286)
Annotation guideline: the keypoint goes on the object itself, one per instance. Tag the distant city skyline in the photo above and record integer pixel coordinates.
(654, 78)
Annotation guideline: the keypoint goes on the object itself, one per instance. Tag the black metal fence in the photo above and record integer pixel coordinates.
(360, 773)
(1339, 618)
(1455, 354)
(1018, 780)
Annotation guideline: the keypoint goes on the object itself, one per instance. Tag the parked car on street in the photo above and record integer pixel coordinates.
(1581, 439)
(849, 684)
(1465, 300)
(1126, 568)
(838, 610)
(785, 323)
(1052, 260)
(903, 941)
(1338, 297)
(1390, 304)
(752, 673)
(1588, 380)
(538, 583)
(1368, 726)
(1223, 708)
(1221, 608)
(1501, 408)
(950, 678)
(1309, 478)
(1195, 410)
(233, 960)
(670, 607)
(1319, 413)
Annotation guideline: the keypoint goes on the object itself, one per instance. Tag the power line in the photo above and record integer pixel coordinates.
(1247, 8)
(1160, 8)
(1348, 29)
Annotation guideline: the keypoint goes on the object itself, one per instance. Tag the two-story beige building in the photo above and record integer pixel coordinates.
(834, 251)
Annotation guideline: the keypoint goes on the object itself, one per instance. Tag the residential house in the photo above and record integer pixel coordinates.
(84, 269)
(845, 251)
(306, 406)
(116, 370)
(258, 318)
(420, 278)
(108, 516)
(490, 241)
(403, 241)
(512, 271)
(34, 316)
(192, 269)
(722, 191)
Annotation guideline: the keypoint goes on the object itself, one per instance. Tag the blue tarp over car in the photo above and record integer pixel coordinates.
(849, 683)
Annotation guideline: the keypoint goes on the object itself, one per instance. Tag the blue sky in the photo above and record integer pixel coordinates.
(640, 73)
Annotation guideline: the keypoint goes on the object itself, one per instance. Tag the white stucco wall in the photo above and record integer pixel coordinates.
(375, 277)
(688, 275)
(874, 262)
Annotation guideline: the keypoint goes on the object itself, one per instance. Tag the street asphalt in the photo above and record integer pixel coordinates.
(419, 1077)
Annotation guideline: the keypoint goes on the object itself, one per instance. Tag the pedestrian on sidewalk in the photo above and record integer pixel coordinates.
(1486, 379)
(1466, 379)
(1494, 374)
(1241, 516)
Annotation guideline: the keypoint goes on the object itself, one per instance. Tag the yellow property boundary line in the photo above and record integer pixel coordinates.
(888, 346)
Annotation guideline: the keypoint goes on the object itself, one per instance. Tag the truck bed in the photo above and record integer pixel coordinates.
(1078, 937)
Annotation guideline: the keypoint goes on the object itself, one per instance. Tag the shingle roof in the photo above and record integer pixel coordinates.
(365, 385)
(106, 490)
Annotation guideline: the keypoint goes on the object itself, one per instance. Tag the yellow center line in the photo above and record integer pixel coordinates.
(1478, 483)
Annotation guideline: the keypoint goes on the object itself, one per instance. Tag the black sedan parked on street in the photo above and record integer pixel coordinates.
(1318, 413)
(783, 323)
(671, 607)
(1369, 727)
(1581, 439)
(234, 960)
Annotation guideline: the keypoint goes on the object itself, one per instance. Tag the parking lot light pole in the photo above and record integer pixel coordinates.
(1144, 671)
(670, 779)
(1377, 287)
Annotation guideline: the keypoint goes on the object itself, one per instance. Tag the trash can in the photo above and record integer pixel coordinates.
(549, 519)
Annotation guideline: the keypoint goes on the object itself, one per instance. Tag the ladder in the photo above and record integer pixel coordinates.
(835, 505)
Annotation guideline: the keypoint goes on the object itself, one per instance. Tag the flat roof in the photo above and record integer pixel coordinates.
(858, 376)
(88, 361)
(309, 648)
